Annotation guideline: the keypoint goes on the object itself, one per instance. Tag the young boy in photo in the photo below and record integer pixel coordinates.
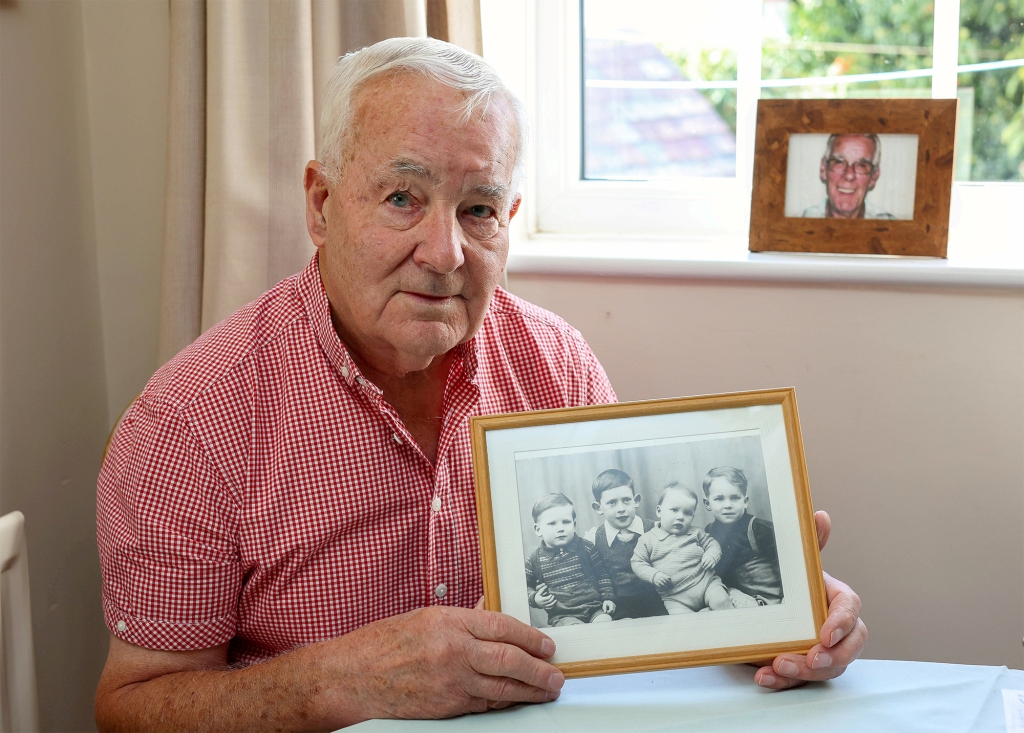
(565, 576)
(750, 559)
(679, 559)
(616, 500)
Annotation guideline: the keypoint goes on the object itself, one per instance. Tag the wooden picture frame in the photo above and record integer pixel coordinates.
(520, 457)
(773, 228)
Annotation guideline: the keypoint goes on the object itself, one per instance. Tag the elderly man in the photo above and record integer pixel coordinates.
(286, 516)
(849, 169)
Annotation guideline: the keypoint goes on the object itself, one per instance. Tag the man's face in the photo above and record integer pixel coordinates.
(726, 502)
(414, 235)
(846, 186)
(618, 506)
(676, 512)
(556, 526)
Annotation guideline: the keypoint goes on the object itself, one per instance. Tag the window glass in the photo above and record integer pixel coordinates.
(849, 48)
(659, 90)
(990, 138)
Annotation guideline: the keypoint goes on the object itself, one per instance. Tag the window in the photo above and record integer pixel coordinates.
(644, 112)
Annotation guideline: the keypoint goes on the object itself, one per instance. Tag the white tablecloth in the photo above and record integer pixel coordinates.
(872, 696)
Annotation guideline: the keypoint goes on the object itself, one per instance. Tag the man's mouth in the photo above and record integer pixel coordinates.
(429, 297)
(846, 190)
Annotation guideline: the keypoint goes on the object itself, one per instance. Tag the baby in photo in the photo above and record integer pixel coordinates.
(678, 558)
(565, 575)
(750, 559)
(616, 500)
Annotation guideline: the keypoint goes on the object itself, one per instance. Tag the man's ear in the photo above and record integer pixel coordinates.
(874, 178)
(315, 183)
(707, 505)
(536, 529)
(746, 500)
(597, 507)
(515, 207)
(823, 171)
(636, 498)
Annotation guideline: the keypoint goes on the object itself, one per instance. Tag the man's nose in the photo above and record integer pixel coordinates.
(440, 248)
(849, 173)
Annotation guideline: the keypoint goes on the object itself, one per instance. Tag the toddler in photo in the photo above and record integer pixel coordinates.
(616, 500)
(679, 559)
(750, 559)
(565, 575)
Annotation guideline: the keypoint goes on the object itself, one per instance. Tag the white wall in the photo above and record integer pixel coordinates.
(83, 88)
(912, 407)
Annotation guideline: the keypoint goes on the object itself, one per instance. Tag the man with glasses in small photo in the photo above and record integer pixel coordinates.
(849, 169)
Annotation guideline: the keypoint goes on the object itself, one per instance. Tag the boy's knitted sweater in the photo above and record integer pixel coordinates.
(677, 556)
(574, 575)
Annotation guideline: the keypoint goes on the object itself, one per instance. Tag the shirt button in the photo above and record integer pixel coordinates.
(436, 504)
(440, 590)
(344, 372)
(122, 626)
(362, 382)
(397, 437)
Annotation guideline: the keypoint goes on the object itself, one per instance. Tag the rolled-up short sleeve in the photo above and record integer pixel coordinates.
(167, 535)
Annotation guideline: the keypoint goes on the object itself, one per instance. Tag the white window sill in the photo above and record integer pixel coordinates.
(730, 260)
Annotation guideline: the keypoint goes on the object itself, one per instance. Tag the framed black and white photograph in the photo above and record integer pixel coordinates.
(654, 534)
(853, 176)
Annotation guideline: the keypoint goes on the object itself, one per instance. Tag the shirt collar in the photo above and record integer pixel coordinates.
(636, 527)
(659, 533)
(318, 309)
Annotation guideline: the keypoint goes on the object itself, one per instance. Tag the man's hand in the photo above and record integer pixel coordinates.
(544, 598)
(439, 662)
(608, 607)
(708, 561)
(661, 581)
(434, 662)
(842, 636)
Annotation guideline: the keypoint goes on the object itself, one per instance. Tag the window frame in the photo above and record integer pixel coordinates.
(698, 227)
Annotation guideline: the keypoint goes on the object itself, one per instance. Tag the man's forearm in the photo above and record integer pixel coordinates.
(284, 693)
(434, 662)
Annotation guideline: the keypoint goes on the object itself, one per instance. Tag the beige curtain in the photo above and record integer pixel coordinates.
(244, 92)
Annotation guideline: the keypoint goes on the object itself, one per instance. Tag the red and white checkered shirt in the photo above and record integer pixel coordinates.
(261, 491)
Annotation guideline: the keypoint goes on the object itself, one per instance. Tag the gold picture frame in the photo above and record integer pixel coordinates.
(918, 180)
(664, 438)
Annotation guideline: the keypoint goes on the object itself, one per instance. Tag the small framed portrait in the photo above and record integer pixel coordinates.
(652, 535)
(853, 176)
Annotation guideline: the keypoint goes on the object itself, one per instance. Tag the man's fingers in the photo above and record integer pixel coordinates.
(823, 526)
(766, 677)
(819, 664)
(841, 654)
(793, 667)
(479, 604)
(492, 626)
(502, 691)
(498, 660)
(843, 611)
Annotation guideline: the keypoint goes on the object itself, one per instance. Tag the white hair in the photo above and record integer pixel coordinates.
(876, 157)
(438, 61)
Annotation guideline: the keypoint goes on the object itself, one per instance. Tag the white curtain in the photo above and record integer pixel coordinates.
(246, 77)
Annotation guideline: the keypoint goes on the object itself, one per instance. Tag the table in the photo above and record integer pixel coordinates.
(873, 695)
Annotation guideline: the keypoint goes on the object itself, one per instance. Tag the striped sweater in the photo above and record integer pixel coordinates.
(573, 574)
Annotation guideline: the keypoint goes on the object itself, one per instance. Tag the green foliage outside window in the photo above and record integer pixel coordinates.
(844, 37)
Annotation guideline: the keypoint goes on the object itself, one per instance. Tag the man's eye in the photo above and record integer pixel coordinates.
(480, 211)
(400, 199)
